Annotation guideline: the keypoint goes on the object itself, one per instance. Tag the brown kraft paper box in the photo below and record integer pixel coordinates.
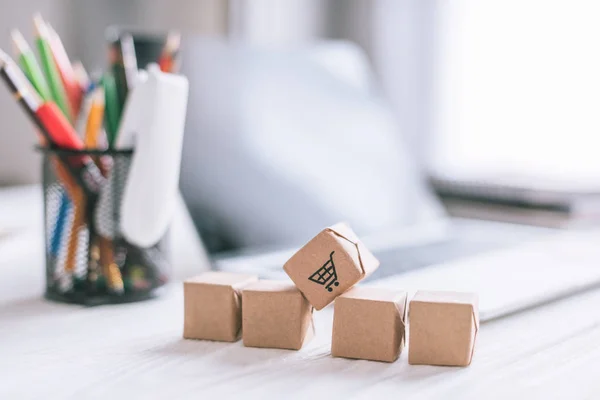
(443, 327)
(330, 264)
(369, 324)
(212, 306)
(276, 315)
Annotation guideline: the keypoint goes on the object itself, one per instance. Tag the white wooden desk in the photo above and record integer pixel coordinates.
(50, 350)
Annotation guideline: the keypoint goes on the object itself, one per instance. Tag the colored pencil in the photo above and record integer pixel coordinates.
(112, 111)
(23, 91)
(29, 65)
(123, 63)
(84, 112)
(94, 120)
(49, 66)
(61, 216)
(65, 70)
(111, 271)
(81, 75)
(169, 56)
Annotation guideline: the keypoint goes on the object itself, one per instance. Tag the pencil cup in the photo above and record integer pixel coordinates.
(87, 259)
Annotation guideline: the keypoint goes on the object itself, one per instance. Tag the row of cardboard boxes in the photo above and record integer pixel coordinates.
(368, 323)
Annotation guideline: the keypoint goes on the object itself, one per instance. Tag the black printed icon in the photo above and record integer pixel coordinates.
(326, 275)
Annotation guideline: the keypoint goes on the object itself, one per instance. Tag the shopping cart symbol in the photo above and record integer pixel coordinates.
(326, 275)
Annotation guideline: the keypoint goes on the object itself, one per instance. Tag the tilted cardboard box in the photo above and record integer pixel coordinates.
(369, 324)
(443, 327)
(330, 264)
(276, 315)
(212, 308)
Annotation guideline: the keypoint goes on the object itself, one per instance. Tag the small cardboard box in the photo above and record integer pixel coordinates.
(443, 327)
(276, 315)
(330, 264)
(369, 324)
(212, 306)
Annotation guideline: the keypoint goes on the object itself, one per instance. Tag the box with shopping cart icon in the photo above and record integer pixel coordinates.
(330, 264)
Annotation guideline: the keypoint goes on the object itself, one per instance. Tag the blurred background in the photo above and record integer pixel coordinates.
(407, 32)
(471, 100)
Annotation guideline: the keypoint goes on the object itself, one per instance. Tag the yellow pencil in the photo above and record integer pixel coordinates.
(110, 269)
(78, 199)
(95, 118)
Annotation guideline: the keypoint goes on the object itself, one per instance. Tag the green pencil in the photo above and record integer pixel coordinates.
(29, 65)
(59, 95)
(112, 108)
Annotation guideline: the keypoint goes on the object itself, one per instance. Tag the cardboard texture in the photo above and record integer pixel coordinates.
(369, 324)
(276, 315)
(443, 327)
(330, 264)
(212, 304)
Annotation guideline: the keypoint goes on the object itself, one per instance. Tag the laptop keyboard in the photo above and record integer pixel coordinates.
(468, 238)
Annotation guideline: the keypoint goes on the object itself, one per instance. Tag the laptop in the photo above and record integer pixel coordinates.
(282, 143)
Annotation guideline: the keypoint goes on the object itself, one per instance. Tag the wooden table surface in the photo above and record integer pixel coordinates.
(50, 350)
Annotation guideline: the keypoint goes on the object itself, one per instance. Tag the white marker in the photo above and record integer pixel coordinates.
(157, 120)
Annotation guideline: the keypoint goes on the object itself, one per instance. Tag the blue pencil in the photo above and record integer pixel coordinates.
(61, 218)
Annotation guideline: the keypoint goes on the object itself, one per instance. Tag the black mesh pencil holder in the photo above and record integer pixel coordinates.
(88, 261)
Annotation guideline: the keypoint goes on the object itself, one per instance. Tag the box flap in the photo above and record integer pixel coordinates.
(405, 310)
(343, 230)
(368, 262)
(402, 307)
